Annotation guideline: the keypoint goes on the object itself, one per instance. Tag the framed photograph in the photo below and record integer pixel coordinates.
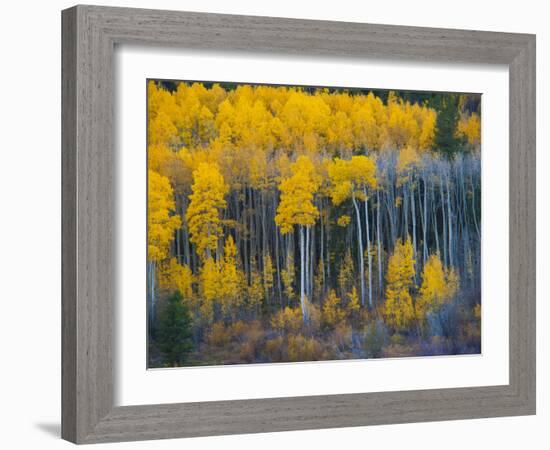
(279, 224)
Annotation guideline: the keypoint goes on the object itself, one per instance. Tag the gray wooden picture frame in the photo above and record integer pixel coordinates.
(90, 34)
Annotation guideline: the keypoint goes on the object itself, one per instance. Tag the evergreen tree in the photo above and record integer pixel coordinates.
(174, 331)
(446, 140)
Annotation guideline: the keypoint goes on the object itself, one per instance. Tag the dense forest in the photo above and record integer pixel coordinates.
(302, 224)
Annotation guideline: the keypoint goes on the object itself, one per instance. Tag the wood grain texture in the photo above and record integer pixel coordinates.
(89, 36)
(68, 225)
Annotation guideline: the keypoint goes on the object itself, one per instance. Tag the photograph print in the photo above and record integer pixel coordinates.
(301, 223)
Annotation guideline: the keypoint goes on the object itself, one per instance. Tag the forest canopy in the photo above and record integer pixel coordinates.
(302, 223)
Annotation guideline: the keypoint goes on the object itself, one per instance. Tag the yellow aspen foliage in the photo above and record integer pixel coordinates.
(157, 155)
(340, 131)
(206, 126)
(343, 221)
(244, 121)
(161, 221)
(439, 286)
(368, 118)
(350, 178)
(398, 307)
(307, 118)
(433, 291)
(402, 128)
(283, 164)
(255, 290)
(345, 275)
(163, 114)
(408, 159)
(268, 273)
(287, 276)
(332, 312)
(162, 130)
(470, 128)
(353, 303)
(231, 278)
(287, 320)
(211, 287)
(197, 105)
(453, 282)
(406, 124)
(319, 280)
(176, 276)
(302, 348)
(207, 199)
(257, 119)
(153, 99)
(173, 165)
(296, 206)
(427, 129)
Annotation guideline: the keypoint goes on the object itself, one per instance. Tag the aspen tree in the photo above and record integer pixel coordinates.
(203, 213)
(161, 225)
(231, 278)
(399, 308)
(296, 208)
(350, 179)
(439, 286)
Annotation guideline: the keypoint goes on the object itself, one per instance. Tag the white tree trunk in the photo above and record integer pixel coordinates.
(361, 256)
(444, 224)
(425, 225)
(449, 218)
(307, 261)
(322, 250)
(152, 291)
(413, 214)
(368, 247)
(302, 275)
(378, 241)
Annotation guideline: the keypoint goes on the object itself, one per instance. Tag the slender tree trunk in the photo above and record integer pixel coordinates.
(246, 232)
(367, 229)
(425, 224)
(194, 258)
(178, 245)
(186, 250)
(311, 261)
(378, 206)
(436, 230)
(327, 251)
(392, 215)
(278, 265)
(307, 263)
(322, 250)
(464, 222)
(474, 210)
(449, 218)
(152, 295)
(264, 225)
(302, 276)
(360, 256)
(413, 214)
(405, 211)
(290, 258)
(444, 225)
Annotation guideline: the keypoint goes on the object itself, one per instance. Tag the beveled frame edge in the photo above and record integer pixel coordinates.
(89, 36)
